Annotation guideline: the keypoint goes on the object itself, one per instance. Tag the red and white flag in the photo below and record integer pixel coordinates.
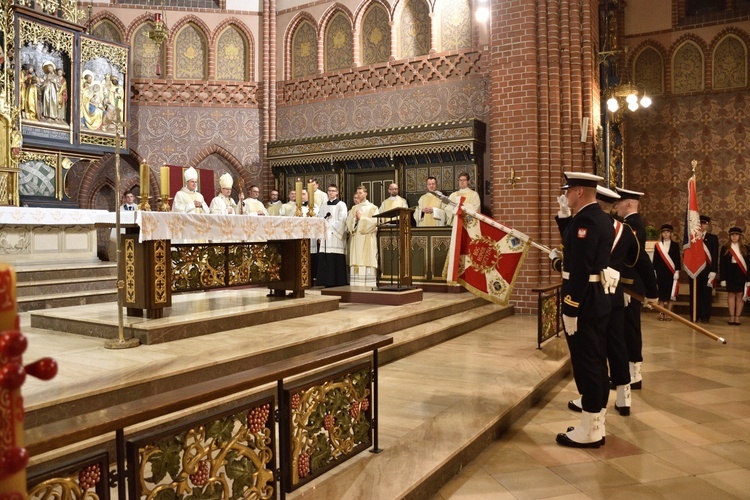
(694, 257)
(484, 255)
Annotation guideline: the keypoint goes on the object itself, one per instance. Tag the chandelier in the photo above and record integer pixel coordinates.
(626, 95)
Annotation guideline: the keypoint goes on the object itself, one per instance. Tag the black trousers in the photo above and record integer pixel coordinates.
(705, 298)
(632, 331)
(588, 348)
(617, 350)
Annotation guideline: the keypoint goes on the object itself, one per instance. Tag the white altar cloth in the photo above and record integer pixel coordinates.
(49, 216)
(180, 227)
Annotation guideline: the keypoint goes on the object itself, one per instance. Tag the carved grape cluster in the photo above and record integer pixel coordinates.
(354, 410)
(89, 476)
(258, 417)
(303, 465)
(328, 422)
(295, 400)
(200, 478)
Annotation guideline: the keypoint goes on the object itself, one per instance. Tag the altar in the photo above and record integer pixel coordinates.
(175, 252)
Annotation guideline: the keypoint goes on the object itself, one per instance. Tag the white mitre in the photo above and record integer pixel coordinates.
(226, 181)
(189, 174)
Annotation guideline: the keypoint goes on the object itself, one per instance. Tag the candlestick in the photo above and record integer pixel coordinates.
(164, 174)
(298, 190)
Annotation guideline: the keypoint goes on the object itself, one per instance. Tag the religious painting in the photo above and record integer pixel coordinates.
(102, 100)
(45, 55)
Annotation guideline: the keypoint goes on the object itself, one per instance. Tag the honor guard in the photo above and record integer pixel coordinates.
(588, 236)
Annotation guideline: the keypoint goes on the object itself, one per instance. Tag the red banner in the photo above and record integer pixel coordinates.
(694, 257)
(483, 257)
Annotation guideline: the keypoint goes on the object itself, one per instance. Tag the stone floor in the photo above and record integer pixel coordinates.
(688, 435)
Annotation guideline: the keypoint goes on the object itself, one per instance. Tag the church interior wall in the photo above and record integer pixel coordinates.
(708, 124)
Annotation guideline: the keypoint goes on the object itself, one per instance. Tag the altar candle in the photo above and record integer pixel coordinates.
(145, 178)
(164, 174)
(298, 189)
(311, 198)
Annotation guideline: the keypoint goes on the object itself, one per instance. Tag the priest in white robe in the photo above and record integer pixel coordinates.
(471, 197)
(363, 245)
(430, 211)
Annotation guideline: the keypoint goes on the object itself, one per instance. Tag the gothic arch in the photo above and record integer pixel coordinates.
(325, 22)
(359, 13)
(295, 23)
(111, 18)
(688, 65)
(177, 29)
(359, 19)
(145, 19)
(249, 40)
(645, 76)
(407, 51)
(727, 71)
(215, 149)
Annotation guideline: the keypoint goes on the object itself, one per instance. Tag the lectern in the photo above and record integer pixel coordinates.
(397, 222)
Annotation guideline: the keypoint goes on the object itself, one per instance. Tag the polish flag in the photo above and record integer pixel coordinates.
(694, 257)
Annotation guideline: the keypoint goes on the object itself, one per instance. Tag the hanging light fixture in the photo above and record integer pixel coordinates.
(626, 95)
(159, 34)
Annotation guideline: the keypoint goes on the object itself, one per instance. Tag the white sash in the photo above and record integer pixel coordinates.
(618, 234)
(740, 260)
(665, 257)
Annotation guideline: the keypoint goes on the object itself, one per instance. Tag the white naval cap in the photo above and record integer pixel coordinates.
(627, 194)
(189, 174)
(573, 179)
(226, 181)
(606, 194)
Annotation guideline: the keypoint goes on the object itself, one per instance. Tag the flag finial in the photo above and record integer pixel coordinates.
(694, 164)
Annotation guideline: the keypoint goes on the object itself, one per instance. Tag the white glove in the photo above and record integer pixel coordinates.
(723, 284)
(564, 211)
(555, 254)
(571, 325)
(626, 299)
(745, 298)
(610, 279)
(711, 278)
(676, 275)
(647, 301)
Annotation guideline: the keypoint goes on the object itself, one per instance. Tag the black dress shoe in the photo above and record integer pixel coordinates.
(636, 385)
(574, 407)
(564, 440)
(623, 410)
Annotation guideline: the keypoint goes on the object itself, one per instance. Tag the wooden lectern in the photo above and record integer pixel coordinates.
(398, 220)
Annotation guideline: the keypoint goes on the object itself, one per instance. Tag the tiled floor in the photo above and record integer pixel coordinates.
(687, 437)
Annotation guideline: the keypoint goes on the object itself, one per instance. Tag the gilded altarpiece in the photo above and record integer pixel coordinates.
(63, 93)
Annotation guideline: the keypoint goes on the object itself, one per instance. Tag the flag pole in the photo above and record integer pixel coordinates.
(487, 220)
(679, 318)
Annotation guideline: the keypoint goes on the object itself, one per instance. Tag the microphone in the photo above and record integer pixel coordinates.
(327, 215)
